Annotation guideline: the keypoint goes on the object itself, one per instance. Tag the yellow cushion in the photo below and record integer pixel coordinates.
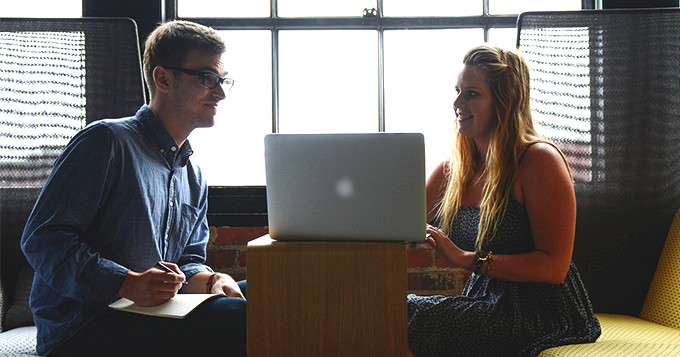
(625, 336)
(657, 331)
(663, 298)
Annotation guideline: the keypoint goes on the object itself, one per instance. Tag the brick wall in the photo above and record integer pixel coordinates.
(227, 249)
(427, 273)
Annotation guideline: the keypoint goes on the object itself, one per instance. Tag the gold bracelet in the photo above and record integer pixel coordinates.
(209, 284)
(481, 258)
(489, 260)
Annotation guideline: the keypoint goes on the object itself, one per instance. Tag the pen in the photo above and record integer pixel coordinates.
(165, 267)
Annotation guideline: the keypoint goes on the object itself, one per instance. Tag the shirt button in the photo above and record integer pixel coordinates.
(174, 148)
(172, 204)
(162, 151)
(166, 236)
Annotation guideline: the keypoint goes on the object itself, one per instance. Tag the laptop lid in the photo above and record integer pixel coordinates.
(368, 187)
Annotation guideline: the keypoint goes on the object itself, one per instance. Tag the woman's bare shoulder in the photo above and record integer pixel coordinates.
(543, 164)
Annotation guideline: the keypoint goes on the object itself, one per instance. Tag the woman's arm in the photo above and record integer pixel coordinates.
(547, 192)
(435, 187)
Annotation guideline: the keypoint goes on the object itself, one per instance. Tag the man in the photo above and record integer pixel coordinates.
(124, 196)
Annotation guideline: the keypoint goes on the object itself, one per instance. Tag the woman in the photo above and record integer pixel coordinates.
(505, 209)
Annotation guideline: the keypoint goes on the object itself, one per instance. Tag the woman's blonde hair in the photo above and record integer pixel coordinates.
(507, 76)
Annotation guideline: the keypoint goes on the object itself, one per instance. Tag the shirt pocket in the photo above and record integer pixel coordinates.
(187, 227)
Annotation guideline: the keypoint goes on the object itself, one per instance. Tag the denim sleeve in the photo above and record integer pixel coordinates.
(53, 239)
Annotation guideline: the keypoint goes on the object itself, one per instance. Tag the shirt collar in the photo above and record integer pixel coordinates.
(165, 144)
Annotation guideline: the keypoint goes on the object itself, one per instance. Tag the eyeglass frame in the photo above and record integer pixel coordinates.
(204, 75)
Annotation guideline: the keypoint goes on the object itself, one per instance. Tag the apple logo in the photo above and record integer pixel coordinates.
(344, 187)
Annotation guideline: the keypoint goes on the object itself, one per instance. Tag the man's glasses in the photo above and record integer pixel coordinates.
(210, 80)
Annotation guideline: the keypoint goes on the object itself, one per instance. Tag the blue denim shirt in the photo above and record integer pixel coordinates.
(121, 197)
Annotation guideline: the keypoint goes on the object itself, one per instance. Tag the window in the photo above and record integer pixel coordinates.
(420, 74)
(232, 151)
(341, 66)
(60, 73)
(565, 93)
(42, 8)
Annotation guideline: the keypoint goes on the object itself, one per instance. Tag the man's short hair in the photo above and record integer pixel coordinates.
(170, 43)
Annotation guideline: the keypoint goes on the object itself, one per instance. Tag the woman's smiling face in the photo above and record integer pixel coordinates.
(474, 105)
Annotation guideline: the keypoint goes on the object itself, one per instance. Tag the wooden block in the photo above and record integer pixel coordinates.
(326, 298)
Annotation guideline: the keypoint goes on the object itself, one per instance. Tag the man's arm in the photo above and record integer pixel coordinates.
(53, 238)
(213, 283)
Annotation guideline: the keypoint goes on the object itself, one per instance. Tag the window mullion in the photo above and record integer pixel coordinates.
(485, 14)
(381, 71)
(275, 68)
(169, 10)
(381, 81)
(275, 80)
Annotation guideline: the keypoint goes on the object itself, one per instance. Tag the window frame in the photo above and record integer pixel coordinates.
(378, 23)
(246, 205)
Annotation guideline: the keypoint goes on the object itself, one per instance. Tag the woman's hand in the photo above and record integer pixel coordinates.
(448, 250)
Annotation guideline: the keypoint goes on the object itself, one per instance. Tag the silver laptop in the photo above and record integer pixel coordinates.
(355, 187)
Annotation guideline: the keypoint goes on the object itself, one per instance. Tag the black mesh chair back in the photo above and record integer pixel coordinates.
(606, 90)
(56, 75)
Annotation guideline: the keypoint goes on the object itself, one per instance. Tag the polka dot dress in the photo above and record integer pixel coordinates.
(494, 317)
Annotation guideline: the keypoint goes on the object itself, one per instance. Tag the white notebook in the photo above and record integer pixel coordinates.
(178, 307)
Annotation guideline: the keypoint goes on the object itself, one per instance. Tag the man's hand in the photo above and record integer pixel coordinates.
(152, 287)
(213, 283)
(224, 284)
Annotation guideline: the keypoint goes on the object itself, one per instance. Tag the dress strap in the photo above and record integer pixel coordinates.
(556, 148)
(527, 149)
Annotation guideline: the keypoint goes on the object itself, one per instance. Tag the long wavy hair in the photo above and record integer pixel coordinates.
(507, 76)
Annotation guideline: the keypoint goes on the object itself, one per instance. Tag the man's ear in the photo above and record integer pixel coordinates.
(163, 79)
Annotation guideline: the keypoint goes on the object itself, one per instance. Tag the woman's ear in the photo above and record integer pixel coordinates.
(163, 78)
